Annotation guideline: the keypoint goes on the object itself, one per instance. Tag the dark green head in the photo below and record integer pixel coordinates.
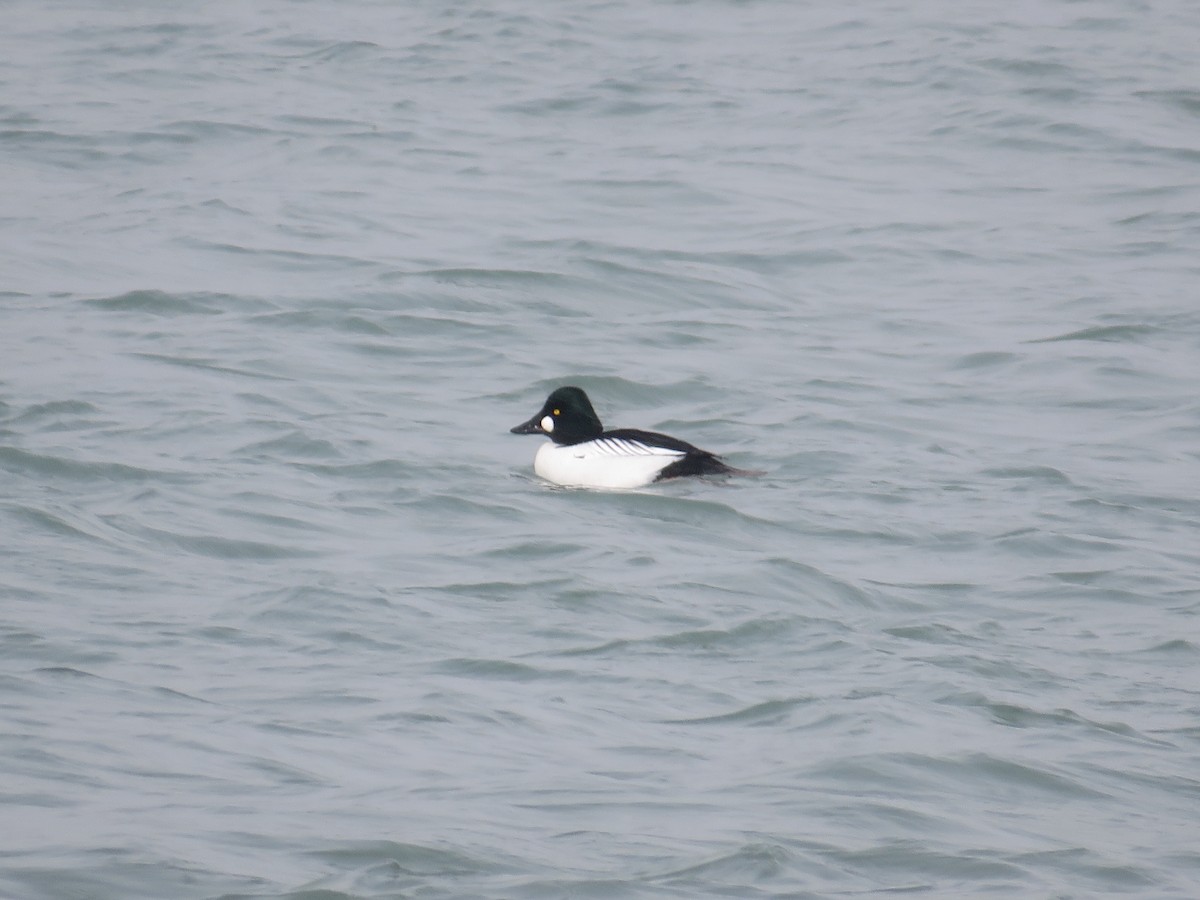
(566, 418)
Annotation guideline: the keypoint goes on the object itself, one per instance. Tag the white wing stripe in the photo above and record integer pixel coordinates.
(622, 447)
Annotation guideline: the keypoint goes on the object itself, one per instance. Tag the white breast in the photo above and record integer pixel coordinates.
(602, 463)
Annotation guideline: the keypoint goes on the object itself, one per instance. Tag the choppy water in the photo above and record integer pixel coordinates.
(284, 612)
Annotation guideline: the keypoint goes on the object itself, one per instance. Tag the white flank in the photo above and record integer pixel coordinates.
(602, 463)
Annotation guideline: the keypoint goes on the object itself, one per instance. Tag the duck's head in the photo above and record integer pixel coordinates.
(566, 417)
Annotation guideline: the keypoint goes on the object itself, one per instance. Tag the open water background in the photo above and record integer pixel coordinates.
(283, 612)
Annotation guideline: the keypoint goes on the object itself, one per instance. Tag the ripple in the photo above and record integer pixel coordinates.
(210, 545)
(23, 462)
(1102, 333)
(1044, 474)
(751, 863)
(767, 713)
(501, 669)
(978, 773)
(1015, 715)
(160, 303)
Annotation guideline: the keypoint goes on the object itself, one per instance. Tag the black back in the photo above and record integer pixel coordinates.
(694, 461)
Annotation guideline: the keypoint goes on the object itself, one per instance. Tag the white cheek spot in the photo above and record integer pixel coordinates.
(547, 424)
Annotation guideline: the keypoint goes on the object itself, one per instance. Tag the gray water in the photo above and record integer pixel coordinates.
(285, 612)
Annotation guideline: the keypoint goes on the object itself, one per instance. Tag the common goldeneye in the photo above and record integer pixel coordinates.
(582, 454)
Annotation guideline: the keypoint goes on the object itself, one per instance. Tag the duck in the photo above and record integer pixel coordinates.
(581, 453)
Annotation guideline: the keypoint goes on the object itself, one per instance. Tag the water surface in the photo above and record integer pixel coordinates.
(285, 611)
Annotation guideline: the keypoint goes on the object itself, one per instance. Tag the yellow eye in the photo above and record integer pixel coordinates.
(558, 412)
